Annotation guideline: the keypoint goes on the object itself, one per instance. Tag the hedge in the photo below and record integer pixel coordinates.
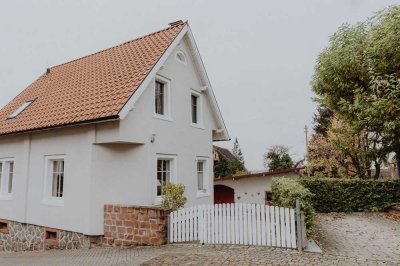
(284, 194)
(352, 195)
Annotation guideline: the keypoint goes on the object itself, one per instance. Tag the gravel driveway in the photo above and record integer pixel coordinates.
(367, 236)
(347, 239)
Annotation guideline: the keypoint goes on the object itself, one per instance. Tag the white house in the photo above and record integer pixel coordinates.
(250, 188)
(109, 128)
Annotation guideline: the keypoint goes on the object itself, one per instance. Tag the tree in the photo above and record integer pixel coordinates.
(277, 158)
(357, 77)
(322, 120)
(237, 152)
(341, 152)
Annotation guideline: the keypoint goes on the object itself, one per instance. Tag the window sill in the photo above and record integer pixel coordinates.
(199, 126)
(6, 197)
(163, 117)
(53, 201)
(158, 200)
(201, 194)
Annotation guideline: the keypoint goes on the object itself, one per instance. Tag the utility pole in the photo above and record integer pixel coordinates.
(306, 131)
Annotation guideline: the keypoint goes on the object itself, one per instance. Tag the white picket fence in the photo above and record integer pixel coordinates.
(244, 224)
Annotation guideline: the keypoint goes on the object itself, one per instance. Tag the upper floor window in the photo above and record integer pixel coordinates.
(162, 98)
(195, 104)
(6, 176)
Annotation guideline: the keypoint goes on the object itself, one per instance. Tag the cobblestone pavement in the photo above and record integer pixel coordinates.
(362, 235)
(349, 239)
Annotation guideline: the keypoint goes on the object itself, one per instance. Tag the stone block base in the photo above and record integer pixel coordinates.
(134, 225)
(15, 236)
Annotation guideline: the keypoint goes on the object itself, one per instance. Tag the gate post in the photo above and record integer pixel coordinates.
(298, 225)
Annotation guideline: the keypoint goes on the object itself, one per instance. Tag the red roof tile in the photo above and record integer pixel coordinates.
(92, 88)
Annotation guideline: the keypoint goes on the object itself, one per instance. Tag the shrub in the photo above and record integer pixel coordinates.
(284, 194)
(173, 196)
(352, 195)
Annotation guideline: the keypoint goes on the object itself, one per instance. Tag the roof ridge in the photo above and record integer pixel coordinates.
(118, 45)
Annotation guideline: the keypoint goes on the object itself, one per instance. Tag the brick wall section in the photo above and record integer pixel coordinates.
(134, 225)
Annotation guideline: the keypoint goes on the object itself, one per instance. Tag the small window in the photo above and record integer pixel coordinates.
(3, 227)
(163, 174)
(54, 180)
(160, 98)
(58, 178)
(202, 176)
(20, 109)
(6, 176)
(181, 57)
(51, 235)
(195, 102)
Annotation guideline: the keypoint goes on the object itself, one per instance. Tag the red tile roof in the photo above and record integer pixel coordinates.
(92, 88)
(277, 172)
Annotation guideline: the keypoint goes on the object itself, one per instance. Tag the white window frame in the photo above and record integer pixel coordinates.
(199, 123)
(167, 98)
(20, 109)
(48, 198)
(206, 177)
(5, 178)
(173, 158)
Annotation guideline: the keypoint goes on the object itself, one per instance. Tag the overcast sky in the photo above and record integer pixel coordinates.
(259, 55)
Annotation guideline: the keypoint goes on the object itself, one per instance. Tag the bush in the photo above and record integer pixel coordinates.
(352, 195)
(284, 194)
(173, 196)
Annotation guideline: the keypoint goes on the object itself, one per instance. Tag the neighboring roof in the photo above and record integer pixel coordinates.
(89, 89)
(224, 152)
(278, 172)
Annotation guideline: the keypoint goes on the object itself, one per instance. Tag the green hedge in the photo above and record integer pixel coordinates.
(284, 194)
(352, 195)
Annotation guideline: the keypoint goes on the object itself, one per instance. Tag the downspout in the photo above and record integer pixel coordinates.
(28, 170)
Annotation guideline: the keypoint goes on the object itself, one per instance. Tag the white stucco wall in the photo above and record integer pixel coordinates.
(252, 189)
(120, 173)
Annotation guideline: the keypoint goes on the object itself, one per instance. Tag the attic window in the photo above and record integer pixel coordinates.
(180, 56)
(21, 109)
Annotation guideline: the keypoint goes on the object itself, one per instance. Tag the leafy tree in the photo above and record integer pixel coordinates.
(322, 120)
(357, 77)
(277, 158)
(173, 198)
(237, 151)
(222, 167)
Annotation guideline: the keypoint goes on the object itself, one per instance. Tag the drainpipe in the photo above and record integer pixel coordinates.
(27, 150)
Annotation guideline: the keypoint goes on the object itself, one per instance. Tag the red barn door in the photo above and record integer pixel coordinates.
(223, 194)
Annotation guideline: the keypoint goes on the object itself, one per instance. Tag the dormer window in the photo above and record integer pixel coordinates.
(21, 109)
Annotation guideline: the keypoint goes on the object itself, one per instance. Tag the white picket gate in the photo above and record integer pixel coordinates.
(244, 224)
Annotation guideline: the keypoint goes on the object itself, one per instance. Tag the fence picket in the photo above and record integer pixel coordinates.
(228, 223)
(241, 226)
(263, 225)
(287, 227)
(293, 228)
(268, 225)
(258, 219)
(283, 227)
(273, 228)
(277, 227)
(212, 218)
(254, 224)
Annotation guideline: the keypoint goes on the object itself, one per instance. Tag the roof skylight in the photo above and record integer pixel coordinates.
(20, 109)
